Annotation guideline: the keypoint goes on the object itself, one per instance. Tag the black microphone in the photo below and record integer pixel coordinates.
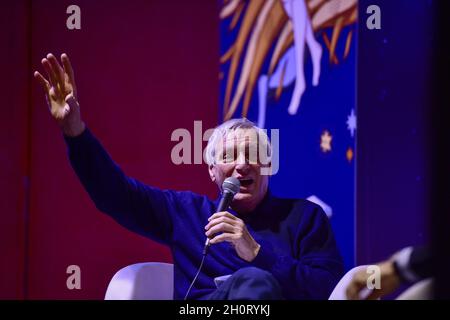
(230, 187)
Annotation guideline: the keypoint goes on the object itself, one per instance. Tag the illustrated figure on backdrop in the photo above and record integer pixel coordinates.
(288, 26)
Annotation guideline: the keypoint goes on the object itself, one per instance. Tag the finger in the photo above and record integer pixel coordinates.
(223, 237)
(51, 74)
(59, 73)
(68, 69)
(375, 294)
(353, 290)
(220, 220)
(44, 83)
(358, 282)
(221, 214)
(221, 227)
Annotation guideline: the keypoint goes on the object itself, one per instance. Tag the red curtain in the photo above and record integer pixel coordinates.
(143, 69)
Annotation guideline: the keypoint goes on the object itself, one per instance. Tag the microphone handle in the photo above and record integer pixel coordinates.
(224, 203)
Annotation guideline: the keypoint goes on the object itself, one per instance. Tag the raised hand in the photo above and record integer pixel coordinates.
(61, 94)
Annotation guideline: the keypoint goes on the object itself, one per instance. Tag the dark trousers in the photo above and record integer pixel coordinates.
(248, 284)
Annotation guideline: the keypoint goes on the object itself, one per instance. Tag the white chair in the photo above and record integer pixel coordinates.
(154, 281)
(142, 281)
(422, 290)
(339, 292)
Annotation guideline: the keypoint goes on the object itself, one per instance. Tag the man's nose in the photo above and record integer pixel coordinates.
(242, 163)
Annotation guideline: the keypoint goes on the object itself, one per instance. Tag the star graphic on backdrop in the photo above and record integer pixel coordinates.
(349, 154)
(325, 141)
(351, 122)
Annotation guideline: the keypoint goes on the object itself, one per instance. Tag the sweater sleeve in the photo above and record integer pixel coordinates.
(421, 262)
(138, 207)
(413, 263)
(315, 265)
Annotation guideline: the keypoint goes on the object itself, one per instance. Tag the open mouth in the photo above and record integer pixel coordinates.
(246, 182)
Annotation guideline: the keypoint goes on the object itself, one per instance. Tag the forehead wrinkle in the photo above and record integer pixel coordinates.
(241, 135)
(239, 141)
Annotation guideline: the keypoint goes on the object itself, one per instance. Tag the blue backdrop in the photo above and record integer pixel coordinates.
(317, 142)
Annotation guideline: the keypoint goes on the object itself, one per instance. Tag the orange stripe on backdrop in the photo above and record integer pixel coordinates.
(272, 28)
(333, 57)
(236, 16)
(252, 11)
(335, 14)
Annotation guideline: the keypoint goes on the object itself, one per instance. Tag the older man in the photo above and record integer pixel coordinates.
(273, 248)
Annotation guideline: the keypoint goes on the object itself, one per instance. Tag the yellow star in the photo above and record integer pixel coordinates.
(325, 141)
(349, 154)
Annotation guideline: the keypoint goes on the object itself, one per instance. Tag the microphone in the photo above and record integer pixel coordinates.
(230, 187)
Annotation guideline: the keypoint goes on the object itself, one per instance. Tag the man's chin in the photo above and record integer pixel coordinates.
(242, 196)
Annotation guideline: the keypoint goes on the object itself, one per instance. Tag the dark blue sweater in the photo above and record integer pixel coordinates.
(297, 243)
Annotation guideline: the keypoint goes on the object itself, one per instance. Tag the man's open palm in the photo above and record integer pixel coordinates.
(61, 93)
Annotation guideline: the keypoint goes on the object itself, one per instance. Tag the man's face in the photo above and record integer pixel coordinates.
(237, 156)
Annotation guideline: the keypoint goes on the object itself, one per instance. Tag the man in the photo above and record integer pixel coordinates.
(406, 266)
(274, 248)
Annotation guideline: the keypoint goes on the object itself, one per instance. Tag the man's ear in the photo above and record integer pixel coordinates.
(211, 172)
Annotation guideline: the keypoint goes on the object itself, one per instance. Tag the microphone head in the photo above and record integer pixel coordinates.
(231, 185)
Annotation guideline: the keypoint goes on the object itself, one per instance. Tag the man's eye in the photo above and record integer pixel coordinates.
(228, 157)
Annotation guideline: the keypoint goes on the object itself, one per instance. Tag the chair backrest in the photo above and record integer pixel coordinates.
(422, 290)
(142, 281)
(154, 281)
(339, 292)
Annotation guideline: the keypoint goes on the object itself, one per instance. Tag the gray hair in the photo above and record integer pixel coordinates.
(224, 129)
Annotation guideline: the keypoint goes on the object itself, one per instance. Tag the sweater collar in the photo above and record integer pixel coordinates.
(263, 210)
